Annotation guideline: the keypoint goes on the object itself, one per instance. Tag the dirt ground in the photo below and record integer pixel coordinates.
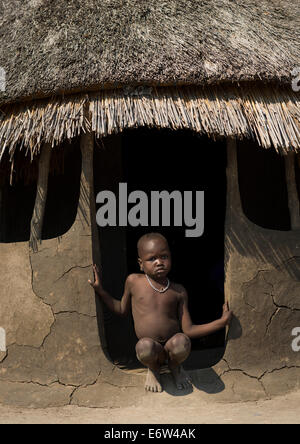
(279, 410)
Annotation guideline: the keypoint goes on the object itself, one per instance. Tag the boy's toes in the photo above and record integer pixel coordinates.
(183, 385)
(152, 382)
(182, 379)
(187, 383)
(154, 389)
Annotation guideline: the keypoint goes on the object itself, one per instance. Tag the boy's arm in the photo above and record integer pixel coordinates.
(197, 331)
(121, 307)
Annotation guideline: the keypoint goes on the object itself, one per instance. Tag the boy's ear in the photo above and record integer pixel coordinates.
(140, 264)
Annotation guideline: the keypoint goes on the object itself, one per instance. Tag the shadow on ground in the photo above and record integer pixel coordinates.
(205, 380)
(198, 365)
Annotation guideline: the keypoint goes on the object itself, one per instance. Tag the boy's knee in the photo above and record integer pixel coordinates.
(145, 349)
(180, 345)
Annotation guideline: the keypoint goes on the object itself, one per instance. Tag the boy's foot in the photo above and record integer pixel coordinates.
(153, 381)
(181, 378)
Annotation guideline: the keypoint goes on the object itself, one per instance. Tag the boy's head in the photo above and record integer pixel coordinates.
(154, 255)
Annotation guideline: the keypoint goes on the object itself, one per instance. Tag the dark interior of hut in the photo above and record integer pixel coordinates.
(156, 160)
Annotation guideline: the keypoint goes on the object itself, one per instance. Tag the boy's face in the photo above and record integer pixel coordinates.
(155, 258)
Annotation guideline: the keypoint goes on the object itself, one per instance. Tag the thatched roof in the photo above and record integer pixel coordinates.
(48, 47)
(271, 115)
(218, 67)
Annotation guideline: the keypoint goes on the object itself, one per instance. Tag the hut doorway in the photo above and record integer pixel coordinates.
(156, 160)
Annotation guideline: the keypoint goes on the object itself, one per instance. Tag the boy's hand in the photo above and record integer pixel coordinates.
(227, 314)
(96, 284)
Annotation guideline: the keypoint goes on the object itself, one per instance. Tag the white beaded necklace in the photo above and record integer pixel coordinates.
(156, 289)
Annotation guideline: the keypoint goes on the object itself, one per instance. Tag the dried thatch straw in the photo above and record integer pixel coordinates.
(82, 45)
(269, 114)
(30, 125)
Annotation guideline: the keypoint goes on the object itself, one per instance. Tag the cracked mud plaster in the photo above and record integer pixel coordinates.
(72, 293)
(103, 394)
(285, 281)
(276, 382)
(242, 372)
(26, 319)
(265, 314)
(31, 395)
(59, 257)
(31, 365)
(74, 348)
(281, 381)
(269, 293)
(61, 270)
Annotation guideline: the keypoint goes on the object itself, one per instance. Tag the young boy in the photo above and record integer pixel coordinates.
(160, 312)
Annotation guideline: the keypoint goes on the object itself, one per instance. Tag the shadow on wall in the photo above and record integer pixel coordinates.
(235, 330)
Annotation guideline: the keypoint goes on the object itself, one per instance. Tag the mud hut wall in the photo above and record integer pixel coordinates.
(262, 285)
(48, 310)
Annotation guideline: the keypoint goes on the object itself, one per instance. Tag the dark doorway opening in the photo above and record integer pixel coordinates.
(156, 160)
(169, 160)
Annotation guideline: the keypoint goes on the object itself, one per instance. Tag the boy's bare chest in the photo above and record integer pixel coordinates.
(146, 299)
